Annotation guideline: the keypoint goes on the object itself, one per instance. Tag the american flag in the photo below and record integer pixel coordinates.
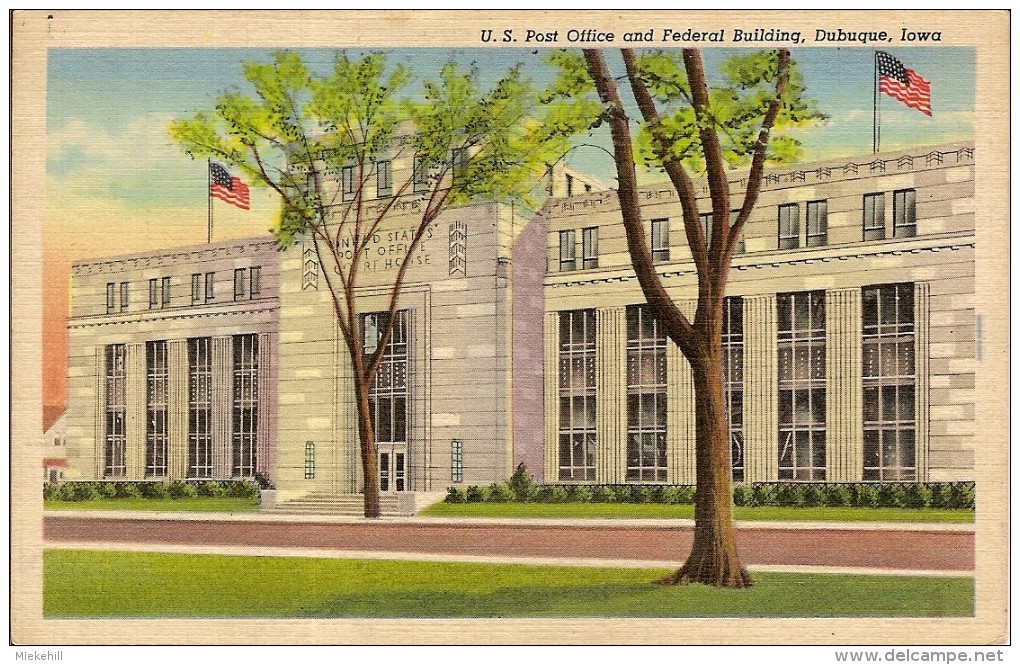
(902, 84)
(227, 188)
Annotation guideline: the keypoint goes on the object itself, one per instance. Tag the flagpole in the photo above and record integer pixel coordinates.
(875, 131)
(208, 196)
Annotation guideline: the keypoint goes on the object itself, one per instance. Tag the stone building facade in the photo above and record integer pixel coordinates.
(849, 329)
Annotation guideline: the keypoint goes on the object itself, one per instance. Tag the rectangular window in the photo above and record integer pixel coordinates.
(210, 281)
(157, 377)
(383, 178)
(115, 431)
(568, 251)
(111, 297)
(165, 298)
(590, 247)
(347, 182)
(789, 226)
(904, 213)
(245, 409)
(153, 293)
(123, 296)
(200, 459)
(733, 380)
(801, 346)
(387, 396)
(577, 436)
(646, 396)
(817, 223)
(706, 228)
(239, 283)
(310, 460)
(660, 240)
(874, 216)
(457, 461)
(196, 288)
(254, 281)
(570, 185)
(421, 174)
(888, 376)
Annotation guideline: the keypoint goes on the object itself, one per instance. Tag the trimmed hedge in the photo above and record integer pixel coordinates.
(954, 495)
(88, 490)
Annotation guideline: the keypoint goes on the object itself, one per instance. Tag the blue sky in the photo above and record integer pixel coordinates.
(107, 112)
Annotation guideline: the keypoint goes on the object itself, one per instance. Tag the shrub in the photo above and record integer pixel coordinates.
(522, 484)
(581, 493)
(918, 496)
(51, 492)
(678, 494)
(159, 490)
(742, 495)
(211, 488)
(763, 495)
(789, 494)
(500, 493)
(182, 490)
(476, 494)
(623, 493)
(83, 491)
(558, 494)
(961, 496)
(838, 496)
(245, 489)
(892, 496)
(127, 491)
(456, 495)
(603, 494)
(814, 495)
(640, 494)
(866, 496)
(107, 490)
(263, 481)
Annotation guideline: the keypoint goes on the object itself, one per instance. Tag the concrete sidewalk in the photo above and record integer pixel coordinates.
(597, 523)
(319, 553)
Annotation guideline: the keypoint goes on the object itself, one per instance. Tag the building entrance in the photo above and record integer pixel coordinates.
(392, 468)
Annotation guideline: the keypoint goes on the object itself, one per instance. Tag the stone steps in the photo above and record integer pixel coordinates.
(344, 505)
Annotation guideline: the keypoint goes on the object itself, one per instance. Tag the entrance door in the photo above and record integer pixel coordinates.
(392, 469)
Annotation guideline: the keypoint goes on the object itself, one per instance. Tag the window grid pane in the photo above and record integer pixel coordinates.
(888, 378)
(384, 179)
(660, 240)
(200, 407)
(568, 249)
(123, 296)
(733, 380)
(196, 288)
(210, 286)
(817, 223)
(165, 300)
(904, 213)
(457, 460)
(245, 410)
(646, 396)
(156, 434)
(874, 216)
(310, 460)
(590, 247)
(577, 435)
(115, 434)
(388, 392)
(111, 302)
(801, 348)
(789, 226)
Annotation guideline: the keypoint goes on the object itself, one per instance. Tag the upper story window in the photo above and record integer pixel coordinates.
(874, 216)
(421, 174)
(384, 178)
(660, 240)
(347, 182)
(111, 297)
(904, 213)
(590, 247)
(196, 288)
(254, 281)
(706, 227)
(570, 185)
(165, 298)
(153, 293)
(123, 296)
(817, 223)
(568, 251)
(239, 283)
(210, 281)
(789, 226)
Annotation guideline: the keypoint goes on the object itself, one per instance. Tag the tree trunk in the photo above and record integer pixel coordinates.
(366, 437)
(713, 559)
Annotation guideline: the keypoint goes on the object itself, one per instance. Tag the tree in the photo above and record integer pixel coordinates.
(318, 140)
(688, 125)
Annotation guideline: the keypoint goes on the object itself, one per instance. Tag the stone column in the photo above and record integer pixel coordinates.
(552, 397)
(135, 394)
(222, 405)
(921, 377)
(611, 395)
(761, 400)
(680, 406)
(100, 415)
(177, 408)
(844, 418)
(266, 418)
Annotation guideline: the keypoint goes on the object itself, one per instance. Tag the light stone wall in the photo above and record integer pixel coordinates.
(939, 261)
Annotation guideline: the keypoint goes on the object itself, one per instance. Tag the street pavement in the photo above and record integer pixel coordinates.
(881, 548)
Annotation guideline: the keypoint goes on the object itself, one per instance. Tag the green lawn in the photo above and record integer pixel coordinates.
(661, 511)
(79, 583)
(197, 504)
